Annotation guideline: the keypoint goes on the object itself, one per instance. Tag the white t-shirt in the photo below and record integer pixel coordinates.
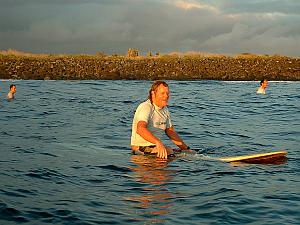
(157, 119)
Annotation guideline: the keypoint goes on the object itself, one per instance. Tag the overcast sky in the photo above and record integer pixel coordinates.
(113, 26)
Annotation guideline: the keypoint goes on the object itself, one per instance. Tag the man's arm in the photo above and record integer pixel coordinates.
(172, 134)
(143, 131)
(9, 95)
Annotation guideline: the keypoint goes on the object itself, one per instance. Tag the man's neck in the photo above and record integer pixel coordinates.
(156, 106)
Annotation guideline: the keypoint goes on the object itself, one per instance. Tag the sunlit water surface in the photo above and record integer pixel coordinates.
(65, 155)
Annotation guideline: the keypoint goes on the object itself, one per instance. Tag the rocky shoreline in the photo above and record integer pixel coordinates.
(93, 67)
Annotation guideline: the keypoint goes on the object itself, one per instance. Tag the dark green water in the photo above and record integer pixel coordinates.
(65, 158)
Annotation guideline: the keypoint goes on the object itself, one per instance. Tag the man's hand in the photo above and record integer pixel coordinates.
(161, 150)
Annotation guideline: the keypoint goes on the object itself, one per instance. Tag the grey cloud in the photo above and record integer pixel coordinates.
(145, 25)
(261, 6)
(242, 38)
(12, 3)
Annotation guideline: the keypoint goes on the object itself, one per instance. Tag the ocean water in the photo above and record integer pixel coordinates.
(65, 157)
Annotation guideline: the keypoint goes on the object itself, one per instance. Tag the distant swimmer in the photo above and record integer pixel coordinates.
(263, 85)
(152, 122)
(12, 91)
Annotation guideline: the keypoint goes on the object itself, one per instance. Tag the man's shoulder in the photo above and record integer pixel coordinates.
(144, 108)
(9, 95)
(260, 91)
(145, 105)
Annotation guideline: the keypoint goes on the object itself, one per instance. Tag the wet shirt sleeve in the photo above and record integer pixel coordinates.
(143, 113)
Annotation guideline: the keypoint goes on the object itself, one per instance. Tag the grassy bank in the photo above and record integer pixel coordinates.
(169, 67)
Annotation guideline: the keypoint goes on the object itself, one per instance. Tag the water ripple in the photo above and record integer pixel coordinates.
(45, 174)
(65, 155)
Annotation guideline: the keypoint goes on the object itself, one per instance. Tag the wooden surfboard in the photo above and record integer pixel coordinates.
(264, 158)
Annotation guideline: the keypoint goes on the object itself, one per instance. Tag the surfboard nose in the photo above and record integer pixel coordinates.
(260, 158)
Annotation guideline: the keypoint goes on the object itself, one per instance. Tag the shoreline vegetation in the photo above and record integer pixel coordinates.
(173, 66)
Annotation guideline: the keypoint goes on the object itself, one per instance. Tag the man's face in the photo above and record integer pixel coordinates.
(160, 97)
(265, 84)
(13, 89)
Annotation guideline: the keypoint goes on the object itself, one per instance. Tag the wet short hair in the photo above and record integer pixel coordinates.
(154, 87)
(263, 80)
(11, 86)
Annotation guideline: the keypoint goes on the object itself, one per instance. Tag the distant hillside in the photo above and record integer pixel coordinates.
(174, 66)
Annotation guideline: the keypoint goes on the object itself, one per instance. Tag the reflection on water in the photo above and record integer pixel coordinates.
(64, 155)
(153, 198)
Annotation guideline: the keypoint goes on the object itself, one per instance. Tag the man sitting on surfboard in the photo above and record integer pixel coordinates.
(151, 121)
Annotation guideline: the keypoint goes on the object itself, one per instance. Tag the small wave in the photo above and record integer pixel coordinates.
(114, 147)
(238, 135)
(224, 173)
(3, 133)
(115, 168)
(48, 154)
(177, 107)
(223, 191)
(39, 214)
(53, 217)
(283, 197)
(96, 181)
(95, 204)
(26, 192)
(11, 214)
(45, 174)
(128, 102)
(12, 193)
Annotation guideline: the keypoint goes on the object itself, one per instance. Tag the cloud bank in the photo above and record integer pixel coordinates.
(113, 26)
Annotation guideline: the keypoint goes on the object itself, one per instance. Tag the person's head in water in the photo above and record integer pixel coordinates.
(13, 88)
(263, 86)
(159, 93)
(264, 83)
(12, 91)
